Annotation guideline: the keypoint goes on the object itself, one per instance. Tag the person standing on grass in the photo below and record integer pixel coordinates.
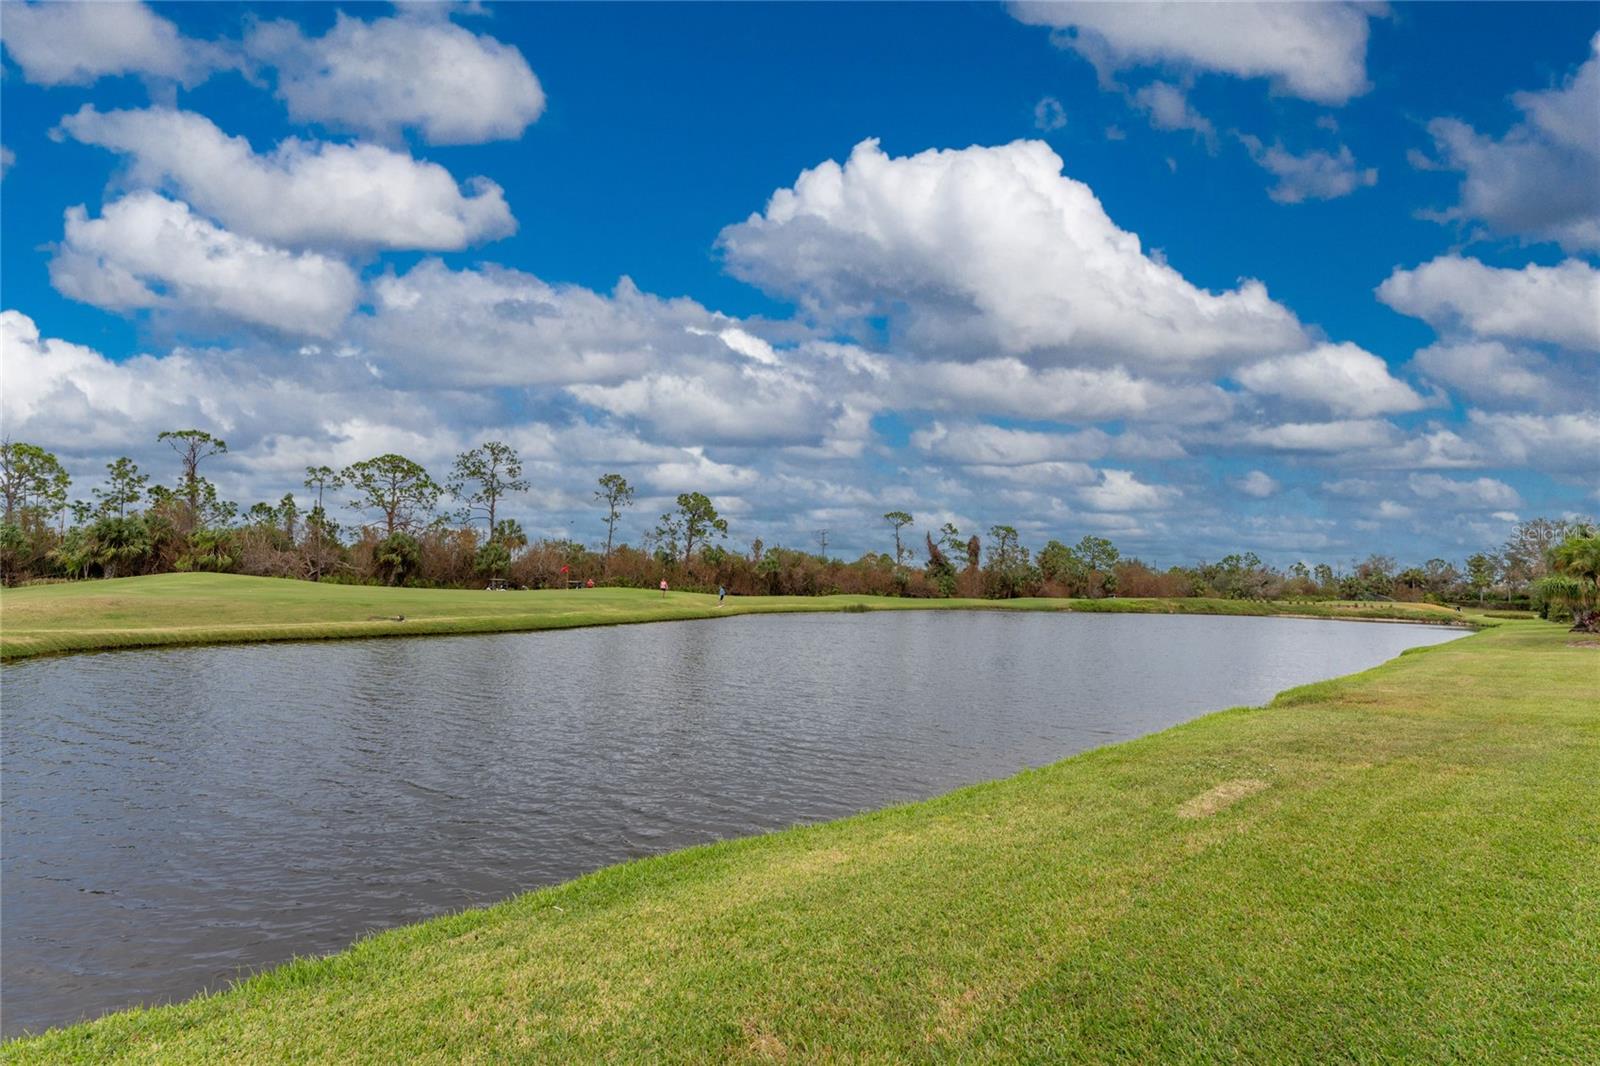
(663, 588)
(722, 594)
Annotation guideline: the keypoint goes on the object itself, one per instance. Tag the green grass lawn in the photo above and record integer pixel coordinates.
(224, 608)
(1398, 866)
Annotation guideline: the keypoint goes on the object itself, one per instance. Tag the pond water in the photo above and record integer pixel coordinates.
(175, 819)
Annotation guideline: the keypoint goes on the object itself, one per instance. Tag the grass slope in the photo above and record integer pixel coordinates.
(226, 608)
(1395, 866)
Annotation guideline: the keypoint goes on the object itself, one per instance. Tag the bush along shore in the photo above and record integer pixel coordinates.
(1393, 866)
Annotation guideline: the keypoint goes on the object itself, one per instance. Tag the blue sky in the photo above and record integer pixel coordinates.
(1060, 335)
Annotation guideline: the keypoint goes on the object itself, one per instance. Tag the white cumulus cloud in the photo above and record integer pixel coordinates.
(1120, 490)
(719, 402)
(1541, 180)
(990, 248)
(1484, 493)
(1314, 51)
(1344, 378)
(1491, 373)
(1065, 394)
(71, 398)
(79, 43)
(303, 193)
(146, 251)
(1559, 304)
(494, 326)
(392, 74)
(51, 383)
(1257, 484)
(1048, 114)
(1314, 175)
(1168, 108)
(981, 443)
(1342, 435)
(1556, 442)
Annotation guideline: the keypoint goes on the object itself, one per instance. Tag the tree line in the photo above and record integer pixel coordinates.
(416, 530)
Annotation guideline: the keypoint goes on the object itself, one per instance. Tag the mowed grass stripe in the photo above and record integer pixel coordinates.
(1409, 877)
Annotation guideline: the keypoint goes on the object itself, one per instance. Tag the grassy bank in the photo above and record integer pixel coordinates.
(227, 608)
(1395, 866)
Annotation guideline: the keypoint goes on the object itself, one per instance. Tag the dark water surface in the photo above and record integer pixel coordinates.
(172, 819)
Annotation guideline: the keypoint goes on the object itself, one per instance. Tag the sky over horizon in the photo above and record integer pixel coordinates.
(1312, 280)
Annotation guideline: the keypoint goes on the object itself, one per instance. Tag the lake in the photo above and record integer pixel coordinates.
(173, 819)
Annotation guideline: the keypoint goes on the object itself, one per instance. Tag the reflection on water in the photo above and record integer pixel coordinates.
(173, 819)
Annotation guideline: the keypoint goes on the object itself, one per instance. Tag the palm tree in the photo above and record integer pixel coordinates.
(119, 540)
(1575, 582)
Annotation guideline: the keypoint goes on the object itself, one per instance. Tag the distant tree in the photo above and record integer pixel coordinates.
(1371, 578)
(1376, 565)
(34, 488)
(396, 488)
(289, 515)
(320, 478)
(508, 531)
(1237, 576)
(483, 477)
(951, 540)
(319, 528)
(320, 552)
(280, 521)
(493, 558)
(940, 571)
(615, 493)
(31, 480)
(214, 511)
(898, 520)
(1525, 558)
(192, 447)
(661, 542)
(1482, 569)
(124, 486)
(1061, 565)
(1441, 576)
(1008, 571)
(974, 552)
(697, 521)
(508, 538)
(1099, 555)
